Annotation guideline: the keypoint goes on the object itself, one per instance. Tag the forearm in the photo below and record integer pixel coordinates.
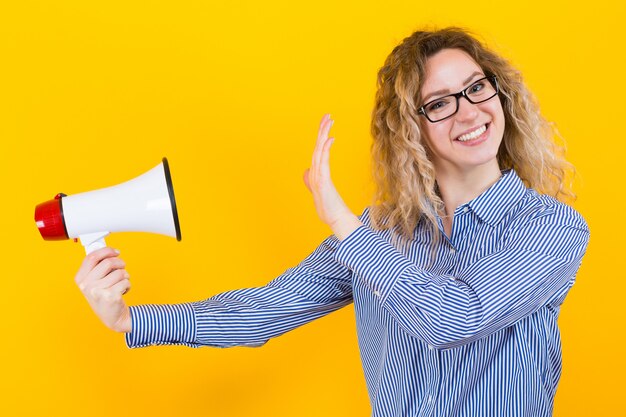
(447, 310)
(248, 317)
(311, 289)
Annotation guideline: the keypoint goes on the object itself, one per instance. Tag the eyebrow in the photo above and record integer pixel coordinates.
(446, 91)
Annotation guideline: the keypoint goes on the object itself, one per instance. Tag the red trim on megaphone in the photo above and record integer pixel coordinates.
(49, 219)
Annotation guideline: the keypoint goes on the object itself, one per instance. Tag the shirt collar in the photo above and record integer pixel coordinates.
(494, 202)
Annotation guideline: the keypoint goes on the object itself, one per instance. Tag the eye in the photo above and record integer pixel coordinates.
(475, 88)
(436, 105)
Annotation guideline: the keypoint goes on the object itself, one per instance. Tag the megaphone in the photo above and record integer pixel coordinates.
(143, 204)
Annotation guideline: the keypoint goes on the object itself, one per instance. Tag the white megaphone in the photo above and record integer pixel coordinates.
(143, 204)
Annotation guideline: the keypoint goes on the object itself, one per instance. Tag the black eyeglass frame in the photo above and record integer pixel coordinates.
(492, 78)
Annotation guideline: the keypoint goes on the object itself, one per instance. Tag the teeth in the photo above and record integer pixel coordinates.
(474, 134)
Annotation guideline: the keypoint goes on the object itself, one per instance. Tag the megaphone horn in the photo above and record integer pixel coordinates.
(143, 204)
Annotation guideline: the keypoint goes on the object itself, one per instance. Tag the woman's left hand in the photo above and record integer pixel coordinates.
(329, 205)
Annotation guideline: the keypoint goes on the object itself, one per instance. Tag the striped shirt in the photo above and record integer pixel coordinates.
(470, 332)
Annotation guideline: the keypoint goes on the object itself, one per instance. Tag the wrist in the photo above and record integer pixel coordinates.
(343, 227)
(124, 324)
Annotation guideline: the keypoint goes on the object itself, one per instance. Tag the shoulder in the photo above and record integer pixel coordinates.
(543, 224)
(541, 208)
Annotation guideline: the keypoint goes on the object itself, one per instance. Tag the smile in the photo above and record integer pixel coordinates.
(473, 135)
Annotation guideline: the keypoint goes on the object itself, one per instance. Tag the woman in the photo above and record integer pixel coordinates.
(457, 270)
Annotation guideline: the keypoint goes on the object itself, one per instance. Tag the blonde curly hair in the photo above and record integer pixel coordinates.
(404, 174)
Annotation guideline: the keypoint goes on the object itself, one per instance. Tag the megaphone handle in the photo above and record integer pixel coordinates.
(93, 241)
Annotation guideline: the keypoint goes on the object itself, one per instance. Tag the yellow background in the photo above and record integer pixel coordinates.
(95, 93)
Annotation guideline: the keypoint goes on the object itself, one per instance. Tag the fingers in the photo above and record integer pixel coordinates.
(97, 266)
(121, 287)
(112, 279)
(111, 287)
(325, 118)
(325, 165)
(93, 259)
(112, 294)
(106, 266)
(328, 203)
(322, 138)
(103, 281)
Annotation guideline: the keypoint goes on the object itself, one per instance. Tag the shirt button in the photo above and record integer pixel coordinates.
(377, 293)
(466, 209)
(431, 347)
(452, 251)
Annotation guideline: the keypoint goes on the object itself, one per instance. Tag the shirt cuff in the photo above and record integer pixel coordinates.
(373, 260)
(151, 324)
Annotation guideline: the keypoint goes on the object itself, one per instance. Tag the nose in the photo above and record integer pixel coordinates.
(466, 111)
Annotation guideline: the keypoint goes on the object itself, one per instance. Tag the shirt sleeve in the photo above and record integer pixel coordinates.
(249, 317)
(536, 265)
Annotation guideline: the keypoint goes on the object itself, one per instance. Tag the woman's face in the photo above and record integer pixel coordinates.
(454, 151)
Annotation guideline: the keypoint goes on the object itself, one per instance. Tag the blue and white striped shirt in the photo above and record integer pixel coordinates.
(471, 333)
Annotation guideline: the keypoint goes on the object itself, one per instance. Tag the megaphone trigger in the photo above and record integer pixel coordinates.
(93, 241)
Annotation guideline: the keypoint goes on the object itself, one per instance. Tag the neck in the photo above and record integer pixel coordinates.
(458, 188)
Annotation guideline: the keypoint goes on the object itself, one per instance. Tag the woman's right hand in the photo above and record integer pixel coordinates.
(103, 281)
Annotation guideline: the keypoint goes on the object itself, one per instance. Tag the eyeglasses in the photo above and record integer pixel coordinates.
(447, 106)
